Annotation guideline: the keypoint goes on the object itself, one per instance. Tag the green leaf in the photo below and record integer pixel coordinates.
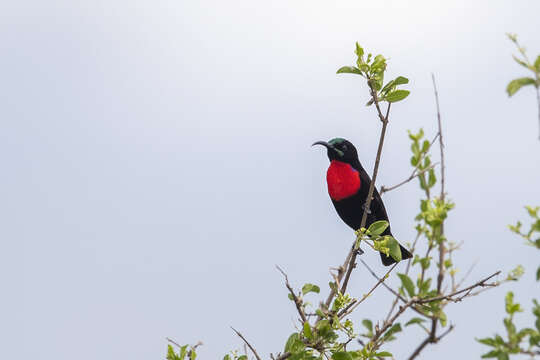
(368, 324)
(537, 64)
(171, 355)
(378, 227)
(359, 51)
(432, 179)
(442, 318)
(341, 355)
(242, 357)
(488, 341)
(395, 251)
(538, 274)
(397, 95)
(393, 330)
(492, 354)
(307, 331)
(383, 354)
(307, 288)
(400, 80)
(333, 286)
(407, 283)
(520, 62)
(510, 306)
(324, 330)
(415, 320)
(516, 84)
(294, 344)
(349, 70)
(183, 352)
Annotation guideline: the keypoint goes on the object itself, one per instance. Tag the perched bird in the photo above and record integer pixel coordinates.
(348, 186)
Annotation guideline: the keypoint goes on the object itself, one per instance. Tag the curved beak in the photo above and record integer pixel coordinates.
(323, 143)
(330, 147)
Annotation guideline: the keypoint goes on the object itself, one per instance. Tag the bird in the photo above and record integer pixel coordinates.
(348, 187)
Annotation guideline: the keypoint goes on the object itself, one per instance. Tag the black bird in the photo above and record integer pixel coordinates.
(348, 186)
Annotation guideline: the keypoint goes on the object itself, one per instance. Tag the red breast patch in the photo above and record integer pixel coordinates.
(343, 180)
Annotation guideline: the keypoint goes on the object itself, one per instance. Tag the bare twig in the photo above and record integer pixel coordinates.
(199, 343)
(538, 100)
(398, 296)
(297, 301)
(450, 297)
(407, 268)
(350, 308)
(412, 176)
(442, 249)
(388, 323)
(383, 283)
(428, 340)
(173, 342)
(247, 343)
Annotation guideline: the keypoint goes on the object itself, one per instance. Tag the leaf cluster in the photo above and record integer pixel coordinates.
(526, 340)
(516, 84)
(372, 68)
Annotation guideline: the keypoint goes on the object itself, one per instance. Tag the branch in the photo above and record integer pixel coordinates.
(247, 343)
(384, 120)
(350, 308)
(297, 301)
(388, 323)
(467, 291)
(412, 176)
(398, 296)
(428, 340)
(349, 264)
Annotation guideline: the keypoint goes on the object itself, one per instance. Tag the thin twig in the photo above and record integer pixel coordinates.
(398, 296)
(411, 177)
(407, 268)
(388, 323)
(353, 305)
(173, 342)
(247, 343)
(467, 274)
(297, 301)
(428, 340)
(450, 297)
(383, 283)
(371, 185)
(538, 100)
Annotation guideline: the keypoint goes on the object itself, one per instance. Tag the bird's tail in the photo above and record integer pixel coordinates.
(388, 260)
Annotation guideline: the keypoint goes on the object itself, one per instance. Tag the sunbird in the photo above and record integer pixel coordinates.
(348, 186)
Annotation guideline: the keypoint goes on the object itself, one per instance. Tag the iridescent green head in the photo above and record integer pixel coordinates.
(340, 149)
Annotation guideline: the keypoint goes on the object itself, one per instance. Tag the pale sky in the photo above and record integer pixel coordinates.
(157, 165)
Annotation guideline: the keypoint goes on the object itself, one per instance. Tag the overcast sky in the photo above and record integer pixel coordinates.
(157, 165)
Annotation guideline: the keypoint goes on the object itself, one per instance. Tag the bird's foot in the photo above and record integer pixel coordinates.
(366, 209)
(359, 251)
